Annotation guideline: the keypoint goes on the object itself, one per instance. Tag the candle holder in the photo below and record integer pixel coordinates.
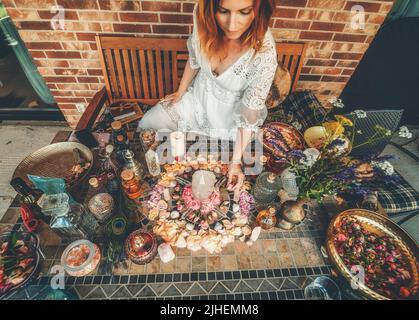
(203, 182)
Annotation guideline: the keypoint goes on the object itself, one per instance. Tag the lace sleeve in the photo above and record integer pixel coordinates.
(251, 111)
(193, 45)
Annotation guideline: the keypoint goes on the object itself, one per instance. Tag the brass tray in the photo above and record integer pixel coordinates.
(55, 160)
(380, 226)
(280, 138)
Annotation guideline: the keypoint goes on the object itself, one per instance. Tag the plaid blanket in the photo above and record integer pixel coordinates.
(398, 197)
(301, 109)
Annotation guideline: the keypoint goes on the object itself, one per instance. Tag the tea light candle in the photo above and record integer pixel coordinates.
(177, 144)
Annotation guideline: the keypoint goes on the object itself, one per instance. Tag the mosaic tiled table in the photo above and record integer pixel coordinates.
(278, 266)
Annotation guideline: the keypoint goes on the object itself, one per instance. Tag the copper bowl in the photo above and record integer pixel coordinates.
(281, 138)
(145, 252)
(380, 226)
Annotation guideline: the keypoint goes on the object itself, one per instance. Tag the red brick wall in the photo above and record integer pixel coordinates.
(69, 62)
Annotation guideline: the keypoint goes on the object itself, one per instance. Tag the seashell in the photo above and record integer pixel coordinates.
(190, 226)
(218, 226)
(217, 170)
(174, 214)
(237, 231)
(246, 230)
(164, 214)
(242, 238)
(236, 208)
(153, 214)
(162, 205)
(188, 169)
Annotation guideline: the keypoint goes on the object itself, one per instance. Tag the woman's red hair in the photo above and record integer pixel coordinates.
(211, 35)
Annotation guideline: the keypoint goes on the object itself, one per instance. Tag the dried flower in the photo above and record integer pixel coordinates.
(384, 166)
(297, 125)
(311, 156)
(334, 128)
(337, 103)
(405, 133)
(360, 114)
(344, 121)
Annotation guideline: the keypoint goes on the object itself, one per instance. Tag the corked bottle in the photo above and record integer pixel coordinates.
(130, 184)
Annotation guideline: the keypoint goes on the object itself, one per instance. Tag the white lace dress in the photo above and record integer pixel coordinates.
(217, 105)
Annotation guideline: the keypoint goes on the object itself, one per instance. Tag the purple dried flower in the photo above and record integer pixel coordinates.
(297, 154)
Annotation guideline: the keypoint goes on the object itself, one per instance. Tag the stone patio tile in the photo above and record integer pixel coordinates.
(244, 262)
(168, 267)
(153, 266)
(137, 269)
(228, 262)
(183, 264)
(214, 263)
(297, 251)
(199, 264)
(258, 261)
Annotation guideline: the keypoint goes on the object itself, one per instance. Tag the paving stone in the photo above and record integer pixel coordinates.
(183, 286)
(134, 288)
(243, 287)
(110, 289)
(219, 288)
(146, 292)
(196, 290)
(266, 286)
(208, 285)
(96, 294)
(159, 288)
(172, 291)
(83, 291)
(230, 284)
(288, 284)
(122, 292)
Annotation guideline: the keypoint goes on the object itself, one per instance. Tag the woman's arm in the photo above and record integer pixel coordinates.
(188, 75)
(243, 138)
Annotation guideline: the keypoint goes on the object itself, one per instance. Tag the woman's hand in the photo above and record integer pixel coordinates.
(173, 98)
(235, 177)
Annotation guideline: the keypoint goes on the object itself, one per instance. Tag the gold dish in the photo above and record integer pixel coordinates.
(380, 226)
(55, 160)
(281, 138)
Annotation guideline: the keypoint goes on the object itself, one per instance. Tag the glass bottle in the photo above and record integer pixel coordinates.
(95, 187)
(130, 184)
(266, 187)
(112, 184)
(120, 147)
(28, 194)
(153, 164)
(30, 197)
(132, 164)
(117, 130)
(107, 165)
(267, 218)
(289, 183)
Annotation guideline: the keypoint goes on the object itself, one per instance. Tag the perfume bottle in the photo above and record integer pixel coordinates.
(266, 188)
(153, 164)
(266, 219)
(132, 164)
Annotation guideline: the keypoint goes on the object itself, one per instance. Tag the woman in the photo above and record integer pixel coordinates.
(231, 66)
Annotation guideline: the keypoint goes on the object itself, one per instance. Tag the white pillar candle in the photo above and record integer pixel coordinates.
(177, 144)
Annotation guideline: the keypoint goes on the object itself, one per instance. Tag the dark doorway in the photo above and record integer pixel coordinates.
(18, 99)
(388, 75)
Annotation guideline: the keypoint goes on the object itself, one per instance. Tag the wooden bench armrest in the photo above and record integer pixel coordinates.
(93, 109)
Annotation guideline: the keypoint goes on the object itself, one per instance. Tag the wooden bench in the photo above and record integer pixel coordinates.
(145, 70)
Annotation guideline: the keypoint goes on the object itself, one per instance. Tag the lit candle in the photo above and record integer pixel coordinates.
(177, 144)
